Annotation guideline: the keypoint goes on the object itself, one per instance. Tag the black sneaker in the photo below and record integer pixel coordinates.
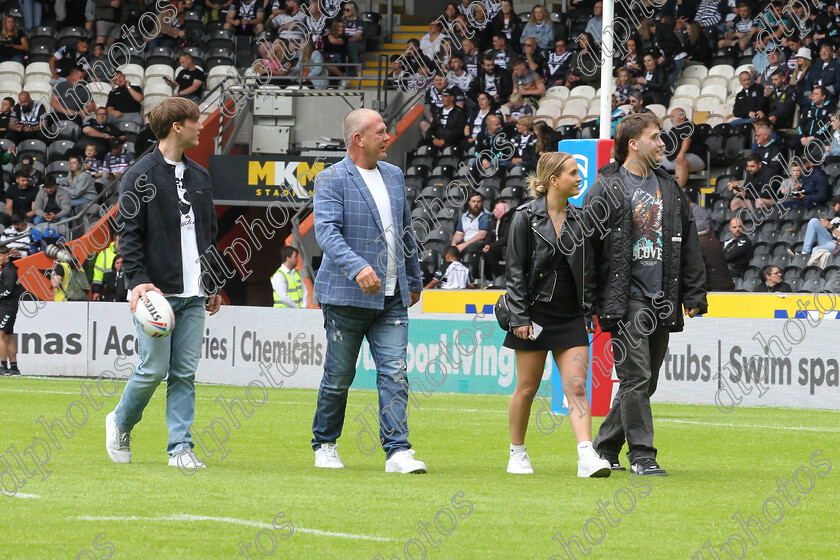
(646, 466)
(5, 371)
(613, 460)
(12, 371)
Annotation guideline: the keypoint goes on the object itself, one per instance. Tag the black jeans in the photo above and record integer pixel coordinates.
(639, 348)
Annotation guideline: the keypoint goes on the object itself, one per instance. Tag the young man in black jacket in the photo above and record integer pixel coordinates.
(8, 313)
(649, 266)
(168, 228)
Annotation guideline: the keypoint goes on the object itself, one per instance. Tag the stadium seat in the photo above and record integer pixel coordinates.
(742, 68)
(57, 150)
(750, 284)
(38, 71)
(687, 90)
(11, 70)
(683, 80)
(761, 249)
(575, 110)
(34, 148)
(734, 85)
(160, 55)
(567, 130)
(796, 283)
(68, 131)
(58, 168)
(725, 70)
(715, 80)
(546, 102)
(221, 38)
(695, 71)
(558, 92)
(813, 285)
(149, 101)
(69, 36)
(714, 90)
(154, 86)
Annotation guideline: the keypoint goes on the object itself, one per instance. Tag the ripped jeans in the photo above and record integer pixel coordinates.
(387, 333)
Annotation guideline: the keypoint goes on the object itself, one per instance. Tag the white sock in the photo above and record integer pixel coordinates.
(517, 448)
(585, 448)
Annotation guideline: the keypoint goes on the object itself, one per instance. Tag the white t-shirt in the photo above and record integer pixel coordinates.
(376, 186)
(190, 266)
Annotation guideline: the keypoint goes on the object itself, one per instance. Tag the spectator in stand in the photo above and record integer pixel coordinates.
(36, 179)
(290, 22)
(97, 131)
(738, 251)
(108, 19)
(117, 161)
(494, 80)
(540, 28)
(526, 82)
(524, 143)
(633, 59)
(685, 160)
(124, 102)
(757, 190)
(316, 24)
(702, 217)
(749, 101)
(767, 149)
(145, 140)
(814, 189)
(518, 107)
(453, 275)
(68, 58)
(833, 148)
(32, 11)
(171, 25)
(654, 82)
(544, 144)
(476, 120)
(245, 17)
(25, 121)
(92, 164)
(52, 205)
(399, 77)
(189, 79)
(278, 63)
(595, 24)
(774, 62)
(69, 97)
(447, 128)
(450, 13)
(798, 76)
(434, 100)
(740, 30)
(470, 56)
(717, 271)
(557, 64)
(491, 146)
(414, 61)
(494, 249)
(532, 55)
(480, 23)
(637, 103)
(447, 48)
(114, 286)
(585, 64)
(698, 45)
(502, 52)
(781, 102)
(773, 283)
(672, 54)
(335, 49)
(815, 123)
(6, 107)
(472, 230)
(508, 24)
(79, 183)
(430, 42)
(623, 89)
(28, 244)
(314, 75)
(13, 42)
(824, 72)
(822, 233)
(354, 27)
(457, 75)
(20, 197)
(100, 68)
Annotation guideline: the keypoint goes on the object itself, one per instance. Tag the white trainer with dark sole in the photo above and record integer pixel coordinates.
(117, 442)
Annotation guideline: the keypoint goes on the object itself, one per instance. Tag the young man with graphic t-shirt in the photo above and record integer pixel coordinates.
(168, 225)
(648, 267)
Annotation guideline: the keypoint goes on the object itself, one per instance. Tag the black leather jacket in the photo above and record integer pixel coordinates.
(532, 253)
(609, 220)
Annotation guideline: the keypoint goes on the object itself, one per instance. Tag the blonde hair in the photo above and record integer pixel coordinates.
(533, 19)
(170, 111)
(549, 165)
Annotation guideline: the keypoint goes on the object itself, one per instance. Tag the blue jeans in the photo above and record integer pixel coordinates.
(736, 122)
(41, 220)
(79, 201)
(387, 333)
(817, 237)
(176, 355)
(32, 10)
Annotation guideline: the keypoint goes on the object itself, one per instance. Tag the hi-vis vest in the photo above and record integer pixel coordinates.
(103, 263)
(294, 287)
(60, 293)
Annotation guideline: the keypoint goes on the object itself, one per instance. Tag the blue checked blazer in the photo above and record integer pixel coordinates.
(350, 232)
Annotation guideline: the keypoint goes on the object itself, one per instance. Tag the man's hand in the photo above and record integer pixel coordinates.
(692, 312)
(139, 291)
(485, 248)
(826, 224)
(368, 281)
(213, 304)
(415, 297)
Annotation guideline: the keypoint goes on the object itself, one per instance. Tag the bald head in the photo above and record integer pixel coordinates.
(358, 121)
(677, 115)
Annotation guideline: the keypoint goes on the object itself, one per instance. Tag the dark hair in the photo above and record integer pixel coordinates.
(80, 159)
(287, 252)
(394, 57)
(500, 35)
(489, 57)
(452, 251)
(779, 72)
(10, 100)
(765, 272)
(414, 42)
(755, 158)
(18, 217)
(517, 61)
(456, 55)
(822, 89)
(22, 173)
(4, 250)
(475, 193)
(631, 128)
(49, 181)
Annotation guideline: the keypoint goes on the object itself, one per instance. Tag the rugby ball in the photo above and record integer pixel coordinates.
(155, 315)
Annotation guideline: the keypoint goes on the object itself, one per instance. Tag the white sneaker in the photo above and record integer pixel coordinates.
(520, 463)
(186, 459)
(326, 457)
(403, 461)
(117, 442)
(593, 466)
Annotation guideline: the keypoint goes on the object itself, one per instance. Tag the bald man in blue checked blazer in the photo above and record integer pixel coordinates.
(369, 277)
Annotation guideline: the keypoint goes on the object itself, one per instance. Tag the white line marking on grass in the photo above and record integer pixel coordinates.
(232, 520)
(749, 426)
(25, 495)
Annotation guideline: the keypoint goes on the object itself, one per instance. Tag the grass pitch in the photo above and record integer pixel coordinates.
(266, 499)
